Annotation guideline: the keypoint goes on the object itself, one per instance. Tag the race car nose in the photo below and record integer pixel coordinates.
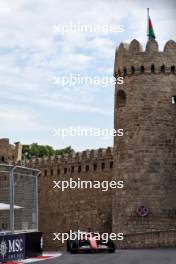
(93, 243)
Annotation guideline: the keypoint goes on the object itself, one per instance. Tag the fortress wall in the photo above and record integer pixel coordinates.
(154, 239)
(74, 209)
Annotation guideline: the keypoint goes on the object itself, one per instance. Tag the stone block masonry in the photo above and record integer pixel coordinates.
(145, 158)
(74, 209)
(9, 153)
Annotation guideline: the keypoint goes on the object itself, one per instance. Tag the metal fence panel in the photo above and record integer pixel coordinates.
(4, 198)
(18, 199)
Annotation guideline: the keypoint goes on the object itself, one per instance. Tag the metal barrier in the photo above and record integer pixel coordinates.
(18, 199)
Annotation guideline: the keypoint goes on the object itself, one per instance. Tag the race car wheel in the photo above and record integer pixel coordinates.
(74, 246)
(68, 245)
(111, 250)
(112, 247)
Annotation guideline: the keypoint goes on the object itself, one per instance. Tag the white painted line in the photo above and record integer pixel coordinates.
(32, 260)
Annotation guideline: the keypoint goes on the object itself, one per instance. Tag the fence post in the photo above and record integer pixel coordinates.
(11, 183)
(37, 210)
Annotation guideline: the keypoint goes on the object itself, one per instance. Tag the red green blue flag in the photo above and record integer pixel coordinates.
(150, 30)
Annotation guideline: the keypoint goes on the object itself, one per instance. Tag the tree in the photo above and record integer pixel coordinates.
(38, 151)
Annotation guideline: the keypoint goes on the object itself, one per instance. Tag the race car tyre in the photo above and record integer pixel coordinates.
(111, 250)
(73, 246)
(112, 247)
(68, 245)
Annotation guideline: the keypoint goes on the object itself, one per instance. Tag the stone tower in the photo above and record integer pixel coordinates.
(145, 157)
(9, 153)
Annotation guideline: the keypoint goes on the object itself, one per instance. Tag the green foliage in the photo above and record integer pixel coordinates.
(38, 151)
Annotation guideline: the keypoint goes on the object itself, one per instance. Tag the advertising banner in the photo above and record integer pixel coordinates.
(12, 247)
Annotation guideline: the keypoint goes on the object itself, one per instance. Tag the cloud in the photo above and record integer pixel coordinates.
(14, 120)
(31, 54)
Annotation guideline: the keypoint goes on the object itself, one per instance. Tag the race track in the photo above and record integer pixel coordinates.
(152, 256)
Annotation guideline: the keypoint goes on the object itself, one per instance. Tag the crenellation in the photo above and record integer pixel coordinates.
(135, 47)
(130, 58)
(170, 48)
(152, 47)
(76, 161)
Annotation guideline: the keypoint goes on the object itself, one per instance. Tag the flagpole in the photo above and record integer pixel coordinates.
(148, 22)
(147, 12)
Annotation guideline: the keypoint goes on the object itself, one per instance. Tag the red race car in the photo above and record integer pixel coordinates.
(90, 242)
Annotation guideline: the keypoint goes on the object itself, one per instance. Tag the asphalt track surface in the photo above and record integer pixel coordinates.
(151, 256)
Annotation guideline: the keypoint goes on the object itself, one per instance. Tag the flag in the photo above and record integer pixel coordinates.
(150, 30)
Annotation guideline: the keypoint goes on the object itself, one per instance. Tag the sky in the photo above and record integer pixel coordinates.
(35, 52)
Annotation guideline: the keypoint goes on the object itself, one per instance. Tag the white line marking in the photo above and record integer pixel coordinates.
(31, 260)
